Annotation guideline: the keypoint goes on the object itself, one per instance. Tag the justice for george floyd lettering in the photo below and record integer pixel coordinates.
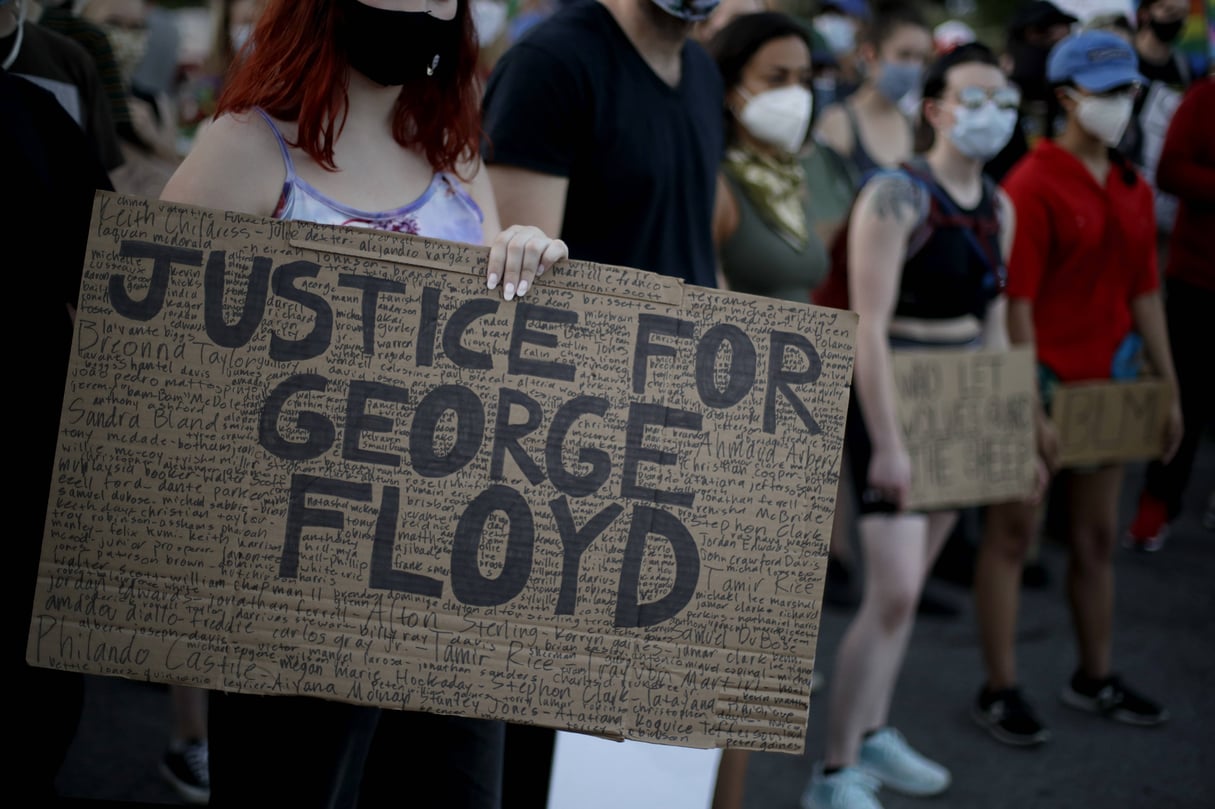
(319, 433)
(312, 459)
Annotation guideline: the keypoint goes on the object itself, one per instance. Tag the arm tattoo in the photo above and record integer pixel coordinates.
(896, 199)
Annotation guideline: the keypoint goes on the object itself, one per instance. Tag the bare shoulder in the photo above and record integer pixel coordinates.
(893, 197)
(235, 165)
(834, 130)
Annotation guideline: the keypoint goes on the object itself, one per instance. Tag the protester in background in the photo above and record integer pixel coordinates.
(232, 24)
(1186, 170)
(571, 115)
(1083, 287)
(926, 245)
(372, 122)
(869, 127)
(781, 197)
(52, 167)
(1032, 32)
(156, 75)
(839, 22)
(1158, 31)
(150, 148)
(777, 195)
(64, 67)
(61, 16)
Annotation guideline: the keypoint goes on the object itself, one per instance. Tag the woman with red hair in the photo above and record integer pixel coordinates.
(359, 113)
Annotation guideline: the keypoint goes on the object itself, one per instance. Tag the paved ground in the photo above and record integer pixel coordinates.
(1164, 643)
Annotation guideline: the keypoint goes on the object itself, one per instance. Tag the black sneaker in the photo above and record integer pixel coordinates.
(1008, 717)
(1110, 697)
(188, 771)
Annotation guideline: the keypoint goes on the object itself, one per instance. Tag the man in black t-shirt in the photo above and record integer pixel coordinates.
(604, 126)
(51, 173)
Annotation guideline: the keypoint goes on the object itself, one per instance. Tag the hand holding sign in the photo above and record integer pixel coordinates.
(518, 256)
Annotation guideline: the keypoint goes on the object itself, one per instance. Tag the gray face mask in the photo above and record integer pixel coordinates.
(897, 79)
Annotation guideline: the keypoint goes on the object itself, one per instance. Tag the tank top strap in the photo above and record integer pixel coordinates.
(282, 145)
(860, 157)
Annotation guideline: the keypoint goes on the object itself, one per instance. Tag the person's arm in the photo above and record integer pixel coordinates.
(995, 325)
(518, 253)
(1180, 171)
(233, 166)
(1148, 313)
(529, 196)
(887, 211)
(725, 213)
(535, 113)
(1028, 253)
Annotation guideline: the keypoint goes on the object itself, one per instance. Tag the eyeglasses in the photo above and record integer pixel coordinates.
(1006, 98)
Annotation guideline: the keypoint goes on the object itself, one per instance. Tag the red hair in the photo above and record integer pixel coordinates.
(292, 69)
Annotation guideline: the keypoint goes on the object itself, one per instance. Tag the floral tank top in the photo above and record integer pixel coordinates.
(444, 211)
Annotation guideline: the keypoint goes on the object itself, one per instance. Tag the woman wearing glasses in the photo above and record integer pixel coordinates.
(926, 248)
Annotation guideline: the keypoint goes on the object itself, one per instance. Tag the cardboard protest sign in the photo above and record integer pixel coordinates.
(1110, 422)
(968, 423)
(301, 459)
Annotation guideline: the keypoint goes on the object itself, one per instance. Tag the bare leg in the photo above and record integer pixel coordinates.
(1093, 503)
(1007, 540)
(896, 550)
(731, 779)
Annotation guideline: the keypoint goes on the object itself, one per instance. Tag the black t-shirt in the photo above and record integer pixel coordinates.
(61, 65)
(574, 99)
(51, 174)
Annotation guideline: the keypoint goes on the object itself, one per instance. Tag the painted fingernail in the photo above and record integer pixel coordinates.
(523, 287)
(509, 292)
(492, 281)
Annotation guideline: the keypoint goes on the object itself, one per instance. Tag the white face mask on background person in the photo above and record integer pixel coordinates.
(981, 133)
(779, 117)
(838, 30)
(1104, 117)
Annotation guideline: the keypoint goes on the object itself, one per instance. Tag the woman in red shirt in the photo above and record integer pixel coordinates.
(1082, 288)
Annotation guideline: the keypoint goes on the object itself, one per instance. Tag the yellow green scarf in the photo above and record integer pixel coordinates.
(777, 188)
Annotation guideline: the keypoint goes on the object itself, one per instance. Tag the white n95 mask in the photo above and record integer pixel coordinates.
(779, 117)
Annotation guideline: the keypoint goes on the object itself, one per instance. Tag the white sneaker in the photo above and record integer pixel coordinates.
(887, 756)
(848, 788)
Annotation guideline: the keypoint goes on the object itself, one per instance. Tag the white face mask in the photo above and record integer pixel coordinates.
(779, 117)
(838, 30)
(981, 134)
(1104, 117)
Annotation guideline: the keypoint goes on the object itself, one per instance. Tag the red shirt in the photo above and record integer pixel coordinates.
(1081, 254)
(1187, 169)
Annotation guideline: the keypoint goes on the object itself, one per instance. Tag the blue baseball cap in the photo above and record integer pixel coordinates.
(852, 8)
(1097, 61)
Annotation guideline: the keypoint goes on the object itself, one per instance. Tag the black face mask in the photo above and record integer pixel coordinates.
(1167, 31)
(395, 47)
